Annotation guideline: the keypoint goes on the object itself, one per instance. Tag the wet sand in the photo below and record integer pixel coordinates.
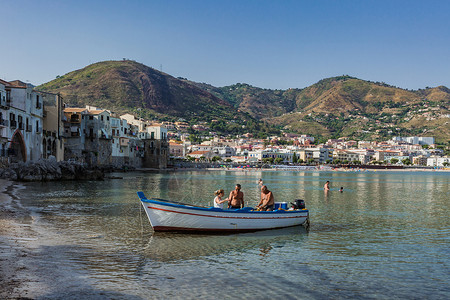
(16, 255)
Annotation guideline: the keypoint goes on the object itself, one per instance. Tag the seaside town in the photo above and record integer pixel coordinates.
(38, 125)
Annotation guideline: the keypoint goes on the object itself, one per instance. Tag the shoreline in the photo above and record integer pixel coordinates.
(12, 231)
(300, 170)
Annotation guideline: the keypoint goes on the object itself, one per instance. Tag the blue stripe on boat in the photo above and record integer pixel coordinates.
(237, 210)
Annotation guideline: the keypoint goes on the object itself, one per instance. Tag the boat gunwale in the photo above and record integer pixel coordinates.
(246, 210)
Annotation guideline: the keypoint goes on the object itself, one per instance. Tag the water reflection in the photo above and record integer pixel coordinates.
(180, 246)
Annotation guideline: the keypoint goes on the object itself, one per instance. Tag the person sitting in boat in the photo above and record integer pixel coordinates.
(267, 201)
(218, 202)
(236, 198)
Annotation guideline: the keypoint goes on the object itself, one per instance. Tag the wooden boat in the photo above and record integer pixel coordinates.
(174, 216)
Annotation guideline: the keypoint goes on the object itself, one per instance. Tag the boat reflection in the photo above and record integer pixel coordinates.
(181, 246)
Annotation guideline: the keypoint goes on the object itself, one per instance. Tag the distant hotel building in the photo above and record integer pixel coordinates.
(415, 140)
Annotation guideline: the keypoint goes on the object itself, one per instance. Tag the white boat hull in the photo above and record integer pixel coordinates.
(167, 216)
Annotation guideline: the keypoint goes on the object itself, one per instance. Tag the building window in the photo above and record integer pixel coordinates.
(101, 117)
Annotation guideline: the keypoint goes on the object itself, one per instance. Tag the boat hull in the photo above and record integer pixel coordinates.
(166, 216)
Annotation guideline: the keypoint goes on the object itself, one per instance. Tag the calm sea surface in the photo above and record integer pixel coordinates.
(387, 236)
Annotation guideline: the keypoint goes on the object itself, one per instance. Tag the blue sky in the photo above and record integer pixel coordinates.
(270, 44)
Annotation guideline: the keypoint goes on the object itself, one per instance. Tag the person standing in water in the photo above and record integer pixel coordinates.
(326, 187)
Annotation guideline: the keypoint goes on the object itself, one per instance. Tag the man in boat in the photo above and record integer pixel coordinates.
(267, 201)
(236, 198)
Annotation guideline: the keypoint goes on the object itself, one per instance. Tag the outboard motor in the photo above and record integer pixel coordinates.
(298, 204)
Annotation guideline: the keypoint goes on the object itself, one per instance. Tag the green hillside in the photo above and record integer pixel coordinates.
(346, 106)
(128, 86)
(333, 107)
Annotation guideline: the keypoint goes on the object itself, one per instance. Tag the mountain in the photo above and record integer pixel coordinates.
(128, 86)
(333, 107)
(259, 103)
(346, 106)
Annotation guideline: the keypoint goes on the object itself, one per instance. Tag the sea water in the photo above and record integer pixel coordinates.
(386, 236)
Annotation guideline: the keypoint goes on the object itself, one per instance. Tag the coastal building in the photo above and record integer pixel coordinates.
(420, 140)
(176, 149)
(420, 160)
(74, 133)
(438, 161)
(156, 147)
(100, 137)
(283, 154)
(21, 121)
(322, 155)
(200, 154)
(53, 126)
(223, 152)
(344, 155)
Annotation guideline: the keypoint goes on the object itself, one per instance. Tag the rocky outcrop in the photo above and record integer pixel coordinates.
(50, 170)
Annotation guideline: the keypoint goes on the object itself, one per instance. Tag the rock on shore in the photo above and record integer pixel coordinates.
(50, 170)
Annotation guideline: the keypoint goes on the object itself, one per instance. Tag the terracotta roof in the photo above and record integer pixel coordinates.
(4, 82)
(96, 112)
(74, 109)
(198, 152)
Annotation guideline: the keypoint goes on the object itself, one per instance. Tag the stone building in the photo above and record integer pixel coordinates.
(21, 119)
(53, 126)
(100, 137)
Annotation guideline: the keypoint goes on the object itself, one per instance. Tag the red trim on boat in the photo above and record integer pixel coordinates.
(225, 217)
(169, 228)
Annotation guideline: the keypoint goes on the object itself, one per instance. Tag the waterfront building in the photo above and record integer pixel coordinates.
(20, 122)
(224, 151)
(53, 126)
(100, 137)
(284, 154)
(156, 147)
(74, 133)
(420, 160)
(176, 149)
(345, 155)
(322, 155)
(199, 154)
(437, 161)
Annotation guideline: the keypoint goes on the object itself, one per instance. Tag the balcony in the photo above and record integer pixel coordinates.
(13, 124)
(29, 128)
(21, 125)
(3, 123)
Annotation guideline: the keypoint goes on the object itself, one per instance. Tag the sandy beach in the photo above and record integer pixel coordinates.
(16, 255)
